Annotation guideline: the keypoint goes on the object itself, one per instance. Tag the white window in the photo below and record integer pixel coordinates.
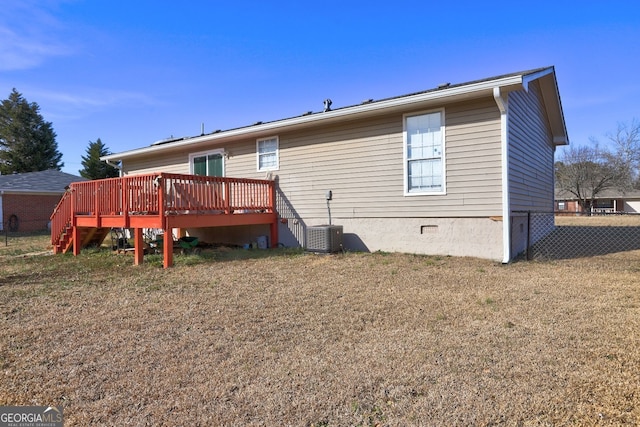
(267, 152)
(208, 163)
(424, 153)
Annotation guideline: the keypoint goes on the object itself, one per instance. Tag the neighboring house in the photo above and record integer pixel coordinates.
(27, 199)
(608, 201)
(445, 171)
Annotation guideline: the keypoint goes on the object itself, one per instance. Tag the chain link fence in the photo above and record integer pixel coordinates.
(13, 227)
(550, 235)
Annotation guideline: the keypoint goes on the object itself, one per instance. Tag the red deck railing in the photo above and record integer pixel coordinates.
(60, 218)
(121, 202)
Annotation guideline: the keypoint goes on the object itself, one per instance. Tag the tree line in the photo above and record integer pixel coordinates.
(28, 142)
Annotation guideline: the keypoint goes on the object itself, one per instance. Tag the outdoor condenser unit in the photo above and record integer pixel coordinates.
(324, 238)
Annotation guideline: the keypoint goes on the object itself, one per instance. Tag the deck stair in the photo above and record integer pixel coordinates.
(62, 241)
(89, 237)
(92, 237)
(61, 229)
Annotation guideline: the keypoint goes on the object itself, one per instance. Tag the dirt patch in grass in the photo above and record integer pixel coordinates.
(298, 339)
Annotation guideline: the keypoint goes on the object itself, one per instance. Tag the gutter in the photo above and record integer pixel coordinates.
(506, 202)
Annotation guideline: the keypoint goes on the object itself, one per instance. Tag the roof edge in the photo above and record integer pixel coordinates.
(518, 79)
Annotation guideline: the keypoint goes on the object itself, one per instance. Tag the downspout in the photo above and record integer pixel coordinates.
(115, 165)
(506, 203)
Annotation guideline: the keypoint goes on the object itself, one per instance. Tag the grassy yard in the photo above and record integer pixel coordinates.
(286, 338)
(599, 220)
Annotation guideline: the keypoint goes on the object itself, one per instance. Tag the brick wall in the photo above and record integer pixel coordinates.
(33, 211)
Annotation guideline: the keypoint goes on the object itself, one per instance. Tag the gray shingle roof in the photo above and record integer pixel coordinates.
(49, 181)
(370, 101)
(277, 125)
(609, 193)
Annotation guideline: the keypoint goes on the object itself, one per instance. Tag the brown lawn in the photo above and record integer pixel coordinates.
(285, 338)
(599, 220)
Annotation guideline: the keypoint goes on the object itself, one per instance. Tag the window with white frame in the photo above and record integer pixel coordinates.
(424, 153)
(267, 152)
(207, 164)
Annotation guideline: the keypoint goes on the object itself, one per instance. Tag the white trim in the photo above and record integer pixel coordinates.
(277, 166)
(405, 159)
(503, 106)
(526, 79)
(206, 153)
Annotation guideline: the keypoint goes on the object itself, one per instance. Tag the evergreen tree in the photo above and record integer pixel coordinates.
(27, 142)
(93, 168)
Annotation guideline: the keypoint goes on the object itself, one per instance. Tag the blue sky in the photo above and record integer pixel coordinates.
(134, 72)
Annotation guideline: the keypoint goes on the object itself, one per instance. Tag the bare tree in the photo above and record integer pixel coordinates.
(626, 143)
(587, 171)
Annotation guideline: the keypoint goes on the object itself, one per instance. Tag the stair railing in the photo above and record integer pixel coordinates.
(61, 219)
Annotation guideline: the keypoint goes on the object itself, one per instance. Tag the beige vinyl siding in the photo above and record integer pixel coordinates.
(176, 161)
(531, 152)
(474, 157)
(361, 162)
(171, 163)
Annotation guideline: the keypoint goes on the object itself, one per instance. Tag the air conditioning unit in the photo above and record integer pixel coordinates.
(324, 238)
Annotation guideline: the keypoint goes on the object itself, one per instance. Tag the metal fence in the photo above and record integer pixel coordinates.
(549, 235)
(13, 228)
(14, 224)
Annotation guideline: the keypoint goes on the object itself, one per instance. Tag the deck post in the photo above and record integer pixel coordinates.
(138, 244)
(227, 198)
(167, 241)
(96, 203)
(76, 241)
(124, 182)
(167, 248)
(75, 234)
(274, 223)
(274, 233)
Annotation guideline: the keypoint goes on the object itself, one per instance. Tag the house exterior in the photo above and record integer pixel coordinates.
(610, 201)
(444, 171)
(27, 199)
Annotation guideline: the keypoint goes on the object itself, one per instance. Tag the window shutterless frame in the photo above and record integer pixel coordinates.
(207, 163)
(423, 138)
(268, 154)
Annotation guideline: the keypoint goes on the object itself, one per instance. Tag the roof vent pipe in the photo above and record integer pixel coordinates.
(327, 105)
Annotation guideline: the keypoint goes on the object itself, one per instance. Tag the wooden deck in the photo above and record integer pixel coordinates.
(163, 201)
